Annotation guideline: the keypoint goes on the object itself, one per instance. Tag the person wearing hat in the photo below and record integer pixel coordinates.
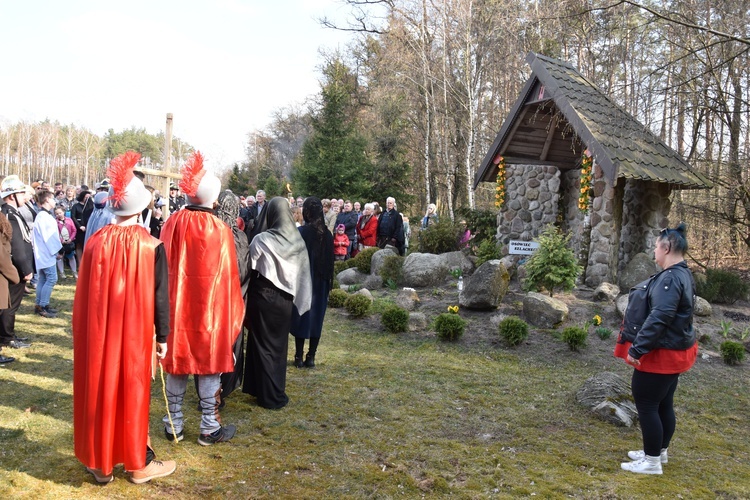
(103, 186)
(340, 243)
(176, 202)
(120, 301)
(45, 239)
(13, 192)
(8, 272)
(205, 303)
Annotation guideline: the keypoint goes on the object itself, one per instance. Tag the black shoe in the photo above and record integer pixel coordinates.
(221, 435)
(298, 362)
(50, 310)
(6, 359)
(41, 311)
(310, 361)
(17, 344)
(171, 437)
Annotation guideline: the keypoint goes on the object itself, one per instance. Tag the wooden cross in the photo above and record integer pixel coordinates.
(165, 173)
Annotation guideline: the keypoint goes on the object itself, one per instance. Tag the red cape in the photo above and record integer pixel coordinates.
(113, 331)
(205, 301)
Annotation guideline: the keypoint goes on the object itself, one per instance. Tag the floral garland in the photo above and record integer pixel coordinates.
(500, 184)
(584, 199)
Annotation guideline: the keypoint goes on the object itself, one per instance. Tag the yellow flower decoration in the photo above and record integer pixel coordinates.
(584, 199)
(500, 187)
(597, 320)
(453, 309)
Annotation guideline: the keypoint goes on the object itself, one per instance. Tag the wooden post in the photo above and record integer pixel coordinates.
(167, 163)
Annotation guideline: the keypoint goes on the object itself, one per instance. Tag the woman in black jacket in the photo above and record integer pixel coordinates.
(657, 338)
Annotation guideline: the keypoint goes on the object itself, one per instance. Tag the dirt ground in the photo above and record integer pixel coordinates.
(482, 326)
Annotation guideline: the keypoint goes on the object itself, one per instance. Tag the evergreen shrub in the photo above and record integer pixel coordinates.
(575, 337)
(722, 286)
(732, 352)
(449, 326)
(391, 270)
(395, 319)
(342, 265)
(337, 297)
(487, 250)
(363, 259)
(553, 265)
(514, 330)
(481, 223)
(357, 305)
(440, 237)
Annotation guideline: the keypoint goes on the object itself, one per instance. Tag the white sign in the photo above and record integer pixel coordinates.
(516, 247)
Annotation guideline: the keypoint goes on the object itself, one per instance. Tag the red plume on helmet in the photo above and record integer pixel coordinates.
(120, 173)
(192, 173)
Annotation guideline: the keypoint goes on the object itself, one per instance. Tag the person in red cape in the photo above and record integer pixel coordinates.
(205, 303)
(121, 296)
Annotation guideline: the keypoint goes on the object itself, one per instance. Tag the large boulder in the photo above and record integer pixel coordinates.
(351, 276)
(407, 298)
(640, 267)
(423, 269)
(544, 311)
(458, 260)
(606, 292)
(376, 263)
(609, 398)
(373, 282)
(701, 307)
(486, 287)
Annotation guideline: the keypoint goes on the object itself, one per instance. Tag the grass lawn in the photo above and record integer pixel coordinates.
(387, 416)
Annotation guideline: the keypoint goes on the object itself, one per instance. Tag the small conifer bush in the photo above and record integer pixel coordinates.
(514, 330)
(342, 265)
(363, 259)
(732, 352)
(449, 326)
(487, 250)
(553, 265)
(722, 286)
(440, 237)
(391, 270)
(357, 305)
(575, 337)
(395, 319)
(337, 297)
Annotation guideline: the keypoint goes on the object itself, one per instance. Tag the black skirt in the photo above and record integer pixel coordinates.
(269, 314)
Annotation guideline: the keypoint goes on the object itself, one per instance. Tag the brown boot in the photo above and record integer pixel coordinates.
(43, 312)
(157, 468)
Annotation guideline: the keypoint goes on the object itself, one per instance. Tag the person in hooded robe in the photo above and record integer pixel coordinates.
(279, 281)
(319, 242)
(228, 211)
(100, 217)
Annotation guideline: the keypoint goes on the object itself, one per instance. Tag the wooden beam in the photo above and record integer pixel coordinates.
(159, 173)
(548, 141)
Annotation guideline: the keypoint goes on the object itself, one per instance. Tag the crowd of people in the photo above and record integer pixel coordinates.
(179, 293)
(265, 265)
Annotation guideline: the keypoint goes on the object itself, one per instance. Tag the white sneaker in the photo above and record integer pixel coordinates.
(639, 454)
(642, 466)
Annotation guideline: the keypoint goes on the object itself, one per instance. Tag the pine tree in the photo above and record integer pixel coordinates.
(553, 265)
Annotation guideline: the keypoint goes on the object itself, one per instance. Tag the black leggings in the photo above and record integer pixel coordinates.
(654, 394)
(299, 347)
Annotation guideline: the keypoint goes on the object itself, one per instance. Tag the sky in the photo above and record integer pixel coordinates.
(221, 67)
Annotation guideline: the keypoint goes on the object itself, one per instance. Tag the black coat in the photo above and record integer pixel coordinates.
(669, 298)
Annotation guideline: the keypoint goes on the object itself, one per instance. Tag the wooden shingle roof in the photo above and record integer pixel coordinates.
(560, 113)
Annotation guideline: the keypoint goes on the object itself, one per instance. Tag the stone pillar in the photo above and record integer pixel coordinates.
(604, 241)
